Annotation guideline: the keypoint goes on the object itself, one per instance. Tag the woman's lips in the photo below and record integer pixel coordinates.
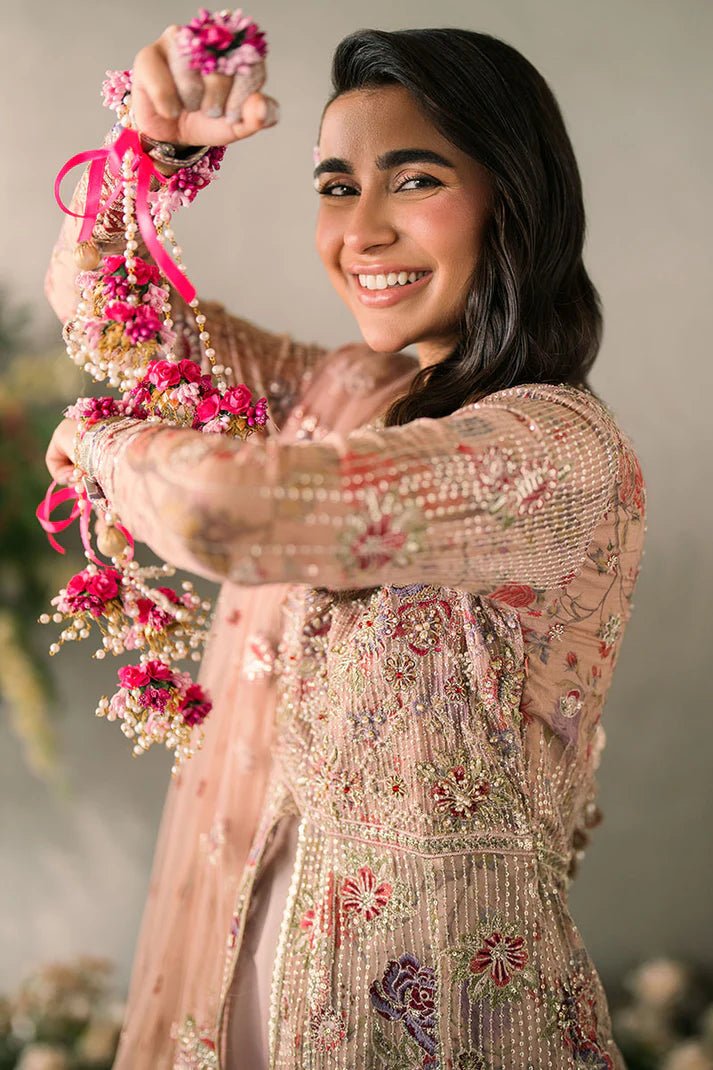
(391, 295)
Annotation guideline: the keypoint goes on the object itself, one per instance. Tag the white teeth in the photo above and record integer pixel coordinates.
(382, 282)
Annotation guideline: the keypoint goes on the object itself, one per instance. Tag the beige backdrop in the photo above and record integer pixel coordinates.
(633, 79)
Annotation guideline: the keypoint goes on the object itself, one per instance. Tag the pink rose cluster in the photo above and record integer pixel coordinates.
(225, 42)
(90, 591)
(156, 686)
(142, 321)
(150, 614)
(182, 384)
(91, 410)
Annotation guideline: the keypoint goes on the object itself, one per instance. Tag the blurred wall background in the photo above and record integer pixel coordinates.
(634, 82)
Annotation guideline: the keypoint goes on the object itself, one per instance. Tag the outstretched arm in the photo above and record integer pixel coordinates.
(509, 489)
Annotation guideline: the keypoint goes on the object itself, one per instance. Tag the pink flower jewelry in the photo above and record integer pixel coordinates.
(222, 43)
(122, 333)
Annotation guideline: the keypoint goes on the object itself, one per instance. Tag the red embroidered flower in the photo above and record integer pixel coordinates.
(458, 793)
(423, 624)
(514, 594)
(502, 955)
(361, 895)
(377, 544)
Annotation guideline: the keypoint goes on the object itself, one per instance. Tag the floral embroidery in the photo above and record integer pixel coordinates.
(573, 1013)
(327, 1030)
(259, 660)
(463, 791)
(494, 963)
(392, 534)
(533, 487)
(399, 671)
(470, 1060)
(212, 842)
(195, 1049)
(357, 904)
(608, 633)
(367, 724)
(514, 594)
(423, 624)
(363, 897)
(406, 994)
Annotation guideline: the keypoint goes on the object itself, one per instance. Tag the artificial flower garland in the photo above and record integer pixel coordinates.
(122, 332)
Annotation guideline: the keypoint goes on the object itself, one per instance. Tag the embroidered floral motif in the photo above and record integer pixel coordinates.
(608, 633)
(518, 595)
(493, 963)
(362, 897)
(399, 1053)
(358, 903)
(259, 660)
(212, 842)
(406, 994)
(423, 624)
(393, 533)
(327, 1030)
(400, 671)
(573, 1012)
(463, 791)
(195, 1048)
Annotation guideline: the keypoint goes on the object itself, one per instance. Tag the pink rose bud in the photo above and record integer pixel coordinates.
(190, 371)
(133, 676)
(208, 408)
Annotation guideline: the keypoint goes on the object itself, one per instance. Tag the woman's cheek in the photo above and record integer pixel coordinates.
(448, 230)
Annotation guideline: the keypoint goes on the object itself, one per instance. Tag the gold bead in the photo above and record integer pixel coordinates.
(86, 255)
(110, 540)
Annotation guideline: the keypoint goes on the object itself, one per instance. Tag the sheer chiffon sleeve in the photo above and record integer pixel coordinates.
(508, 489)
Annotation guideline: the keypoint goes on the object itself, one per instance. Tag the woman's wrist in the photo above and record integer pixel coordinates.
(169, 157)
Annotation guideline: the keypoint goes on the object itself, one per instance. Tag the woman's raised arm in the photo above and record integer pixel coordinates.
(510, 488)
(172, 103)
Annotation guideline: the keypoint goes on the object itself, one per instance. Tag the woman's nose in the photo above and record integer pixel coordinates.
(369, 223)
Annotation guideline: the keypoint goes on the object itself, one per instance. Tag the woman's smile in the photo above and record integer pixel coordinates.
(381, 292)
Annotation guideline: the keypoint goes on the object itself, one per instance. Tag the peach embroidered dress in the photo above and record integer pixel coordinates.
(368, 864)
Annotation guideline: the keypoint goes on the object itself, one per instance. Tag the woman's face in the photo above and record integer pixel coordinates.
(396, 197)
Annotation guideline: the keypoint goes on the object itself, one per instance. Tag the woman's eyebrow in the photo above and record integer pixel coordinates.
(393, 158)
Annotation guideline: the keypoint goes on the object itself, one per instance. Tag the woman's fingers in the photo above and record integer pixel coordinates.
(152, 74)
(188, 82)
(243, 86)
(216, 88)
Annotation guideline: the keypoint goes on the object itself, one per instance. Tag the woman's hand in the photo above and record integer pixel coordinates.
(173, 103)
(60, 452)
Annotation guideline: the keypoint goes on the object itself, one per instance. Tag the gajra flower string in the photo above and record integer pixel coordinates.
(122, 333)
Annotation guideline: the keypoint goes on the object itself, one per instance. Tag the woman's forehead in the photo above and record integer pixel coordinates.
(366, 121)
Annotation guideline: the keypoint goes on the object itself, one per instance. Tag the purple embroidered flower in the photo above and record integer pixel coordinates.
(406, 993)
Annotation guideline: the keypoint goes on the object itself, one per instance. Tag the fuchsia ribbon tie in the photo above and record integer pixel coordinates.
(145, 171)
(81, 507)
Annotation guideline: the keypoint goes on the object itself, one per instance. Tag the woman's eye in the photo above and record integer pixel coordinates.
(328, 191)
(420, 178)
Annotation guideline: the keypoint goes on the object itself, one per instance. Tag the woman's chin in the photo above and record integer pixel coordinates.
(384, 339)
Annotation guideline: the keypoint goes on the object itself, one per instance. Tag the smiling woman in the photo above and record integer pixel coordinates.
(426, 577)
(380, 215)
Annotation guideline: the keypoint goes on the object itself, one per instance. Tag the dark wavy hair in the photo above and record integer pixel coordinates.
(532, 313)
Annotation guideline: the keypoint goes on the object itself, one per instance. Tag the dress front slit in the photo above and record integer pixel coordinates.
(248, 1001)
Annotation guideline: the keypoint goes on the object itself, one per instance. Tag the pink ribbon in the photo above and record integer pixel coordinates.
(81, 508)
(145, 171)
